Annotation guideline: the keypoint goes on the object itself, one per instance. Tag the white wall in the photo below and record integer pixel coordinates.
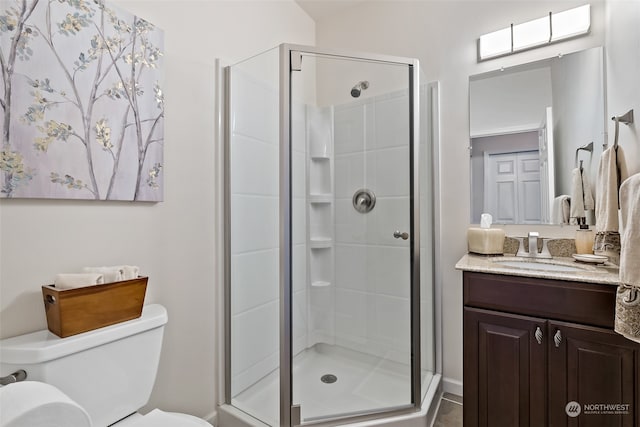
(174, 241)
(509, 102)
(578, 114)
(623, 69)
(443, 36)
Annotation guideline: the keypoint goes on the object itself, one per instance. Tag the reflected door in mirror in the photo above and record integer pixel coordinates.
(512, 187)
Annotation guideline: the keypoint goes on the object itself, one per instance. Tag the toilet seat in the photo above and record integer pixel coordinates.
(158, 418)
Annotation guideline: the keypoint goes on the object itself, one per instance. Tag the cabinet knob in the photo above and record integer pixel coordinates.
(538, 334)
(557, 338)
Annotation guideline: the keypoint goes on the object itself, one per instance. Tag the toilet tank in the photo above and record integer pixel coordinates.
(110, 371)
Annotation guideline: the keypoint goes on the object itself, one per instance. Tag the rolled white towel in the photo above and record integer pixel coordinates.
(111, 274)
(77, 280)
(130, 272)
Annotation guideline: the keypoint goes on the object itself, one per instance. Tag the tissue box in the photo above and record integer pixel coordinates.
(73, 311)
(485, 241)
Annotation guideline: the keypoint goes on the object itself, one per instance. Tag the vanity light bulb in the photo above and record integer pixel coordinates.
(532, 33)
(538, 32)
(571, 22)
(495, 44)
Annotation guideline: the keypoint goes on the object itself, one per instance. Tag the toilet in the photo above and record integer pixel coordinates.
(107, 374)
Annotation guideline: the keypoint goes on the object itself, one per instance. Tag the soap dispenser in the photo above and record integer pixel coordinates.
(584, 239)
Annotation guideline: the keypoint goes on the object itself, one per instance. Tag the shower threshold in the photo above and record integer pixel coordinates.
(364, 384)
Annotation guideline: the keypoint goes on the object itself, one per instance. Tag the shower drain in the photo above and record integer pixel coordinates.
(328, 379)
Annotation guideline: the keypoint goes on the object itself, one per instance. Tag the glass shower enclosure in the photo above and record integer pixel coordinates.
(329, 295)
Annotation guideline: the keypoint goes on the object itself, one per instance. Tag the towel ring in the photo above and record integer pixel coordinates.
(587, 147)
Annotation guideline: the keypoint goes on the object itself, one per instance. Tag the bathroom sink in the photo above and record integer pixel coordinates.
(542, 265)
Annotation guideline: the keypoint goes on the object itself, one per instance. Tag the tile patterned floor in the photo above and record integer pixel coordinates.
(450, 411)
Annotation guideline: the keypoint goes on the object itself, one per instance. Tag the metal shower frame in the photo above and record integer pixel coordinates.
(290, 60)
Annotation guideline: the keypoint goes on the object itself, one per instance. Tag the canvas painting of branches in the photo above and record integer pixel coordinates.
(82, 102)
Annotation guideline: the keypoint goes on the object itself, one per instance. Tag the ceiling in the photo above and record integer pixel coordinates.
(319, 9)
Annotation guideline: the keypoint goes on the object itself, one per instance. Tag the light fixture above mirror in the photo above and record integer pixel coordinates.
(535, 33)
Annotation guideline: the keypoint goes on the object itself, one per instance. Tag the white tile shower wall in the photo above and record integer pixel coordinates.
(372, 267)
(320, 131)
(254, 224)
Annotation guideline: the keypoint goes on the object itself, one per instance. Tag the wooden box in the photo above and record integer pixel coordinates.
(73, 311)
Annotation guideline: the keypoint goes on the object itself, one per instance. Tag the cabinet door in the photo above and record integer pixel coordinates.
(504, 369)
(592, 366)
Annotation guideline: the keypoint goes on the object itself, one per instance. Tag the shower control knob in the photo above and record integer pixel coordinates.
(401, 235)
(364, 200)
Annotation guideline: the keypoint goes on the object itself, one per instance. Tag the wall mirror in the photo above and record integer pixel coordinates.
(527, 126)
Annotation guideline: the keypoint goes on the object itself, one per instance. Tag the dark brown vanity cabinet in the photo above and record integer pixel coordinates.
(532, 346)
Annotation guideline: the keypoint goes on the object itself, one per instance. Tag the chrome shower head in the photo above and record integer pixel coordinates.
(358, 88)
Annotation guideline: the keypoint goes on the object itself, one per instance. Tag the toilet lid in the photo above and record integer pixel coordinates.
(158, 418)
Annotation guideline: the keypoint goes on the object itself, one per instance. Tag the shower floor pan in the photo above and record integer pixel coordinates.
(332, 381)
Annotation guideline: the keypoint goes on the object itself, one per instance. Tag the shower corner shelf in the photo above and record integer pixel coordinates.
(320, 284)
(320, 198)
(321, 243)
(320, 157)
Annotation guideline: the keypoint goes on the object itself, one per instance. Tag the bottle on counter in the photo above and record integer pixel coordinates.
(584, 239)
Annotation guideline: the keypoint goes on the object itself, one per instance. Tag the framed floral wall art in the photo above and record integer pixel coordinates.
(82, 102)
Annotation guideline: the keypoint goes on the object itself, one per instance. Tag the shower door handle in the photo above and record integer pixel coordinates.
(401, 235)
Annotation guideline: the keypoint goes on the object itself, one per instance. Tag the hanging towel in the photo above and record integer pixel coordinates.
(579, 196)
(589, 202)
(627, 321)
(612, 171)
(561, 210)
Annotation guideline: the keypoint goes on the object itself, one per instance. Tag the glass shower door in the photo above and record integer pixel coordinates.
(352, 237)
(253, 344)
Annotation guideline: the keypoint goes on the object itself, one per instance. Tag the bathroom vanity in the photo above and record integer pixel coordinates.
(535, 341)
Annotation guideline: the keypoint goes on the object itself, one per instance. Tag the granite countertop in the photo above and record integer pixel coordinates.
(603, 274)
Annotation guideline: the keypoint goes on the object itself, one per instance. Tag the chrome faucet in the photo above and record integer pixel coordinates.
(533, 243)
(533, 247)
